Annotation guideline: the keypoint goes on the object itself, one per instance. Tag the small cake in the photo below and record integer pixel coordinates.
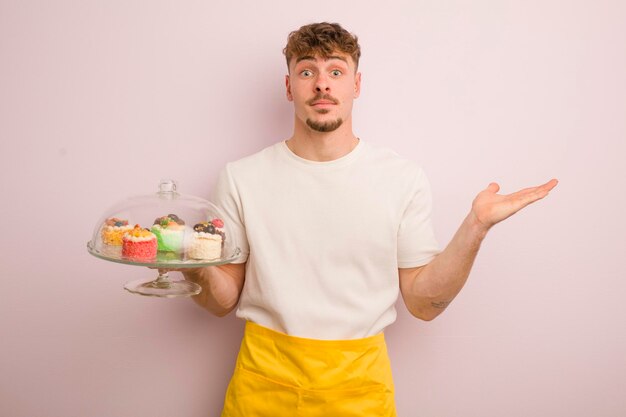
(170, 233)
(207, 241)
(113, 230)
(139, 244)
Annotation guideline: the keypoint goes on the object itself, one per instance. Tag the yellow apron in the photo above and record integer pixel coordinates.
(278, 375)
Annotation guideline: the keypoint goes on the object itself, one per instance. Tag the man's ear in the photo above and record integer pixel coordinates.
(357, 85)
(288, 88)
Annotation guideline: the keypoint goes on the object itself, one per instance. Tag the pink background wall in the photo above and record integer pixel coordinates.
(101, 99)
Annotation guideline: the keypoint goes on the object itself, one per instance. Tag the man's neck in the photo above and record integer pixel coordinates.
(322, 146)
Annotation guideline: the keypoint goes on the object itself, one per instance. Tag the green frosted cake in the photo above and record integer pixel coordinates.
(170, 233)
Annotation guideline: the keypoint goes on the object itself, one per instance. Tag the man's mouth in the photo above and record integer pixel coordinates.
(321, 101)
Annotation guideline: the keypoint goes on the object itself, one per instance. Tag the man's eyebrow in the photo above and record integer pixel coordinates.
(312, 58)
(305, 58)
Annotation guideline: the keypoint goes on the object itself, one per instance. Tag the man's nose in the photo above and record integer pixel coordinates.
(321, 84)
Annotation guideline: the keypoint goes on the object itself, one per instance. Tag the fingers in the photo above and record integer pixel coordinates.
(550, 184)
(542, 189)
(524, 197)
(532, 194)
(493, 187)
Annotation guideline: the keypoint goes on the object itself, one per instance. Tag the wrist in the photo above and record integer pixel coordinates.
(476, 229)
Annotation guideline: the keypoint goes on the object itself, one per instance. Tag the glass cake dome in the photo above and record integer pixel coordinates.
(165, 230)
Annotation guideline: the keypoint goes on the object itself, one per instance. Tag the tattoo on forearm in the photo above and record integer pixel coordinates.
(440, 304)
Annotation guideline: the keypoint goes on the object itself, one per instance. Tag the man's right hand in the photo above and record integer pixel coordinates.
(221, 286)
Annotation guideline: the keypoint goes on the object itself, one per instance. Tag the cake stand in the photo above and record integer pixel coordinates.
(148, 211)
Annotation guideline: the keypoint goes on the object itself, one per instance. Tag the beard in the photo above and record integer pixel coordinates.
(324, 126)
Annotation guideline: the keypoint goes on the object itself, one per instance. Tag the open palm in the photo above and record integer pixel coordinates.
(490, 208)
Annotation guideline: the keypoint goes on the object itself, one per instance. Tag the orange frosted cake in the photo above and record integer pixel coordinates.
(113, 230)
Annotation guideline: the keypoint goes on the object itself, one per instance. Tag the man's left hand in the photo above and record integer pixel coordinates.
(490, 208)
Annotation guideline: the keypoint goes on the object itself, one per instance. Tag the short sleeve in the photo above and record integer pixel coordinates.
(226, 196)
(417, 244)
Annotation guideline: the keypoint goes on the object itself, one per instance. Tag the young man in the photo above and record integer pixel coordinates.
(331, 229)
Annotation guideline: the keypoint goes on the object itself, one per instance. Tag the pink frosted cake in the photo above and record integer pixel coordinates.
(207, 241)
(139, 244)
(113, 230)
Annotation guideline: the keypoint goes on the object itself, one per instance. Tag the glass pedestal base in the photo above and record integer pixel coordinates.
(163, 286)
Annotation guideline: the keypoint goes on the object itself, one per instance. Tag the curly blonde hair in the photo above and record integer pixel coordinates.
(322, 39)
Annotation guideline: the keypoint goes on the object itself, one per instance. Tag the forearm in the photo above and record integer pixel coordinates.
(427, 291)
(221, 286)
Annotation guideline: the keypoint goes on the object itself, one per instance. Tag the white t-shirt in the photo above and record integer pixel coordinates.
(323, 241)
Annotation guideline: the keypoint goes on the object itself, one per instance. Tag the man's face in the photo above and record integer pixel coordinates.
(323, 89)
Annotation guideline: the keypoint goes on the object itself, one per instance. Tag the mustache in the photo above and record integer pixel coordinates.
(320, 96)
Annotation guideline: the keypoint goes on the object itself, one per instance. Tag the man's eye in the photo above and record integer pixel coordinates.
(336, 73)
(306, 73)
